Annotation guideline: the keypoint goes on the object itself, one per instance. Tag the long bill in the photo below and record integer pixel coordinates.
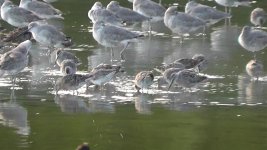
(171, 83)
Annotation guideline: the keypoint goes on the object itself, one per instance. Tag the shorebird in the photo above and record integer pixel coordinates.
(126, 14)
(48, 35)
(182, 23)
(41, 9)
(99, 13)
(107, 66)
(68, 66)
(102, 76)
(252, 39)
(62, 55)
(206, 13)
(198, 62)
(254, 69)
(168, 74)
(143, 79)
(112, 36)
(149, 9)
(186, 78)
(71, 82)
(15, 60)
(16, 16)
(258, 17)
(232, 3)
(174, 64)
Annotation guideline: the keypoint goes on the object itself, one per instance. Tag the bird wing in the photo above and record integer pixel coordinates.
(182, 19)
(9, 60)
(41, 7)
(118, 34)
(129, 15)
(206, 12)
(23, 15)
(151, 8)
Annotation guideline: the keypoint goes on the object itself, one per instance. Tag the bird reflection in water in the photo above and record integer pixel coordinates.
(71, 104)
(250, 92)
(15, 116)
(142, 103)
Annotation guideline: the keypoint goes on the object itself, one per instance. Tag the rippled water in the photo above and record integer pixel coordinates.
(226, 112)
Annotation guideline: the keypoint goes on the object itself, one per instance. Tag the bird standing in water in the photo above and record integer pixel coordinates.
(143, 79)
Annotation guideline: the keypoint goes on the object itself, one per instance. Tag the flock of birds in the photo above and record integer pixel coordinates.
(31, 16)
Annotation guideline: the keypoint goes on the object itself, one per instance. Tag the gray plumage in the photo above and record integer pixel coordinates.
(258, 17)
(126, 14)
(42, 9)
(112, 36)
(181, 23)
(252, 39)
(15, 60)
(16, 16)
(48, 35)
(233, 3)
(98, 13)
(62, 55)
(206, 13)
(149, 9)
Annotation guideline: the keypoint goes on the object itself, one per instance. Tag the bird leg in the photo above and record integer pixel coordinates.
(13, 80)
(111, 55)
(254, 56)
(149, 28)
(121, 53)
(181, 39)
(137, 88)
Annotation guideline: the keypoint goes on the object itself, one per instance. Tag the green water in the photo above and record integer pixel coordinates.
(226, 113)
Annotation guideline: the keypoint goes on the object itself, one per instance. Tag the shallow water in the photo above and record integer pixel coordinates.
(226, 112)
